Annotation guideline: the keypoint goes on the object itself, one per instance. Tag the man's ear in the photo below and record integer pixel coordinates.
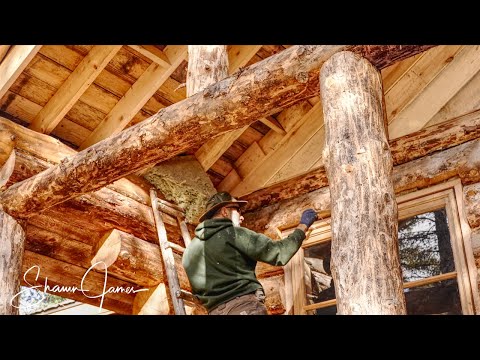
(224, 212)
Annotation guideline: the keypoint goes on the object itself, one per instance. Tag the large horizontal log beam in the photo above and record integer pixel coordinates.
(124, 204)
(260, 90)
(407, 148)
(462, 161)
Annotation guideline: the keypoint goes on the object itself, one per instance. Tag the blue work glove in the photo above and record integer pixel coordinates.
(308, 217)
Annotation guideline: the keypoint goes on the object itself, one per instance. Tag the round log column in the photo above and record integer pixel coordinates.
(12, 243)
(365, 260)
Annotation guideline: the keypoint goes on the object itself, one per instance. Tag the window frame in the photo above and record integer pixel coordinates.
(448, 195)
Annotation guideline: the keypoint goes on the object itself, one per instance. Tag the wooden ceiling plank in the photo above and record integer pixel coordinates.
(14, 63)
(306, 157)
(416, 79)
(288, 147)
(465, 101)
(392, 74)
(3, 51)
(210, 152)
(453, 77)
(269, 143)
(136, 97)
(153, 53)
(73, 88)
(273, 124)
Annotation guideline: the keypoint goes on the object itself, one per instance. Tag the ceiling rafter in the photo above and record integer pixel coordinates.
(153, 53)
(73, 88)
(439, 91)
(137, 96)
(14, 63)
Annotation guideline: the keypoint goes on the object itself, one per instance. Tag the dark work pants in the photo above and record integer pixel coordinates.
(249, 304)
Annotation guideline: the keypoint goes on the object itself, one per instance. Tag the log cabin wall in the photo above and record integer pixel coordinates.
(262, 156)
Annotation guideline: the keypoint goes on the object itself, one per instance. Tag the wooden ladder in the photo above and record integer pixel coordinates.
(177, 294)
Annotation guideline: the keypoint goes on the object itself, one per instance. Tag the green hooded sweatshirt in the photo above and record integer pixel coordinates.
(220, 261)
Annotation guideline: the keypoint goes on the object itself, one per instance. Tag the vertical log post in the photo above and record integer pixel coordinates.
(207, 64)
(366, 268)
(12, 243)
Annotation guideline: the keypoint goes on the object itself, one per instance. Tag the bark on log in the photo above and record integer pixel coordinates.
(12, 242)
(365, 260)
(260, 90)
(471, 196)
(7, 142)
(414, 175)
(67, 275)
(407, 148)
(207, 64)
(132, 259)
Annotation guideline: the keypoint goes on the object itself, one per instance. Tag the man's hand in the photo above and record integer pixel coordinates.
(308, 217)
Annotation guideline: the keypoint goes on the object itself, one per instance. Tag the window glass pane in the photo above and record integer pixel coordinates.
(441, 298)
(425, 248)
(425, 251)
(318, 277)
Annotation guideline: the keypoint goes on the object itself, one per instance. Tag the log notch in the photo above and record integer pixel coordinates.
(229, 104)
(366, 267)
(132, 259)
(12, 243)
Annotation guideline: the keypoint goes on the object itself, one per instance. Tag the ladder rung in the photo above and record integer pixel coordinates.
(187, 296)
(169, 204)
(169, 210)
(176, 247)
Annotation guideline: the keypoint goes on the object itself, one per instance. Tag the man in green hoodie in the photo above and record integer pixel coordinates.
(220, 261)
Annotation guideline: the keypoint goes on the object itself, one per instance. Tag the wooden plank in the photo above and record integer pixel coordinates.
(136, 97)
(240, 55)
(391, 74)
(465, 101)
(253, 156)
(73, 88)
(418, 76)
(455, 75)
(273, 124)
(288, 146)
(229, 181)
(210, 152)
(306, 156)
(12, 66)
(269, 143)
(153, 53)
(3, 51)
